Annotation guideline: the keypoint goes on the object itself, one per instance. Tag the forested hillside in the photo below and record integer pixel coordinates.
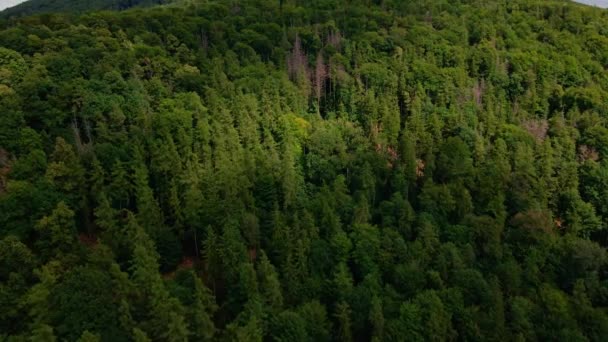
(30, 7)
(306, 171)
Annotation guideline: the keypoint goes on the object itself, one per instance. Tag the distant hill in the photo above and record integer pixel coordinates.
(46, 6)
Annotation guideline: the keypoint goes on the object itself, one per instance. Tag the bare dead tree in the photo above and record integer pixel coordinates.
(334, 38)
(297, 61)
(586, 152)
(478, 92)
(203, 40)
(537, 128)
(319, 77)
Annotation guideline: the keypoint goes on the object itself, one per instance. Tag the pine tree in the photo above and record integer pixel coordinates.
(270, 285)
(140, 336)
(96, 178)
(163, 314)
(376, 318)
(120, 187)
(436, 322)
(524, 181)
(390, 121)
(176, 214)
(233, 251)
(343, 317)
(248, 325)
(342, 282)
(43, 333)
(89, 337)
(106, 218)
(149, 214)
(410, 320)
(407, 153)
(201, 312)
(247, 288)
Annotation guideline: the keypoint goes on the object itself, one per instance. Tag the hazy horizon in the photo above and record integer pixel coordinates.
(598, 3)
(4, 4)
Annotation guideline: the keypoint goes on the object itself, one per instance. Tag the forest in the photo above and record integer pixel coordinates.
(324, 170)
(38, 7)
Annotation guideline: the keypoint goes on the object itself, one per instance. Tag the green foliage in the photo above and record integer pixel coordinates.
(303, 171)
(89, 337)
(86, 301)
(12, 67)
(202, 310)
(57, 232)
(289, 326)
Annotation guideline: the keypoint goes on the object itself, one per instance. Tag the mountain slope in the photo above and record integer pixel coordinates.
(32, 7)
(328, 170)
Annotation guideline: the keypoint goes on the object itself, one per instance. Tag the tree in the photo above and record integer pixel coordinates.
(12, 67)
(89, 337)
(106, 219)
(288, 326)
(162, 314)
(454, 161)
(269, 283)
(57, 232)
(436, 319)
(86, 301)
(43, 333)
(262, 170)
(119, 188)
(366, 242)
(232, 251)
(524, 180)
(376, 318)
(16, 264)
(148, 212)
(140, 336)
(342, 315)
(407, 154)
(65, 171)
(408, 325)
(248, 325)
(318, 326)
(36, 301)
(202, 311)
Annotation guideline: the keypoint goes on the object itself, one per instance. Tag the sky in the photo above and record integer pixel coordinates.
(9, 3)
(598, 3)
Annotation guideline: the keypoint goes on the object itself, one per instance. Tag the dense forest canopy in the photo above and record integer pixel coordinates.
(305, 171)
(30, 7)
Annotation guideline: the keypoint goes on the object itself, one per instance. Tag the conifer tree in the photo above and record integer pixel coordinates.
(201, 312)
(269, 282)
(163, 314)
